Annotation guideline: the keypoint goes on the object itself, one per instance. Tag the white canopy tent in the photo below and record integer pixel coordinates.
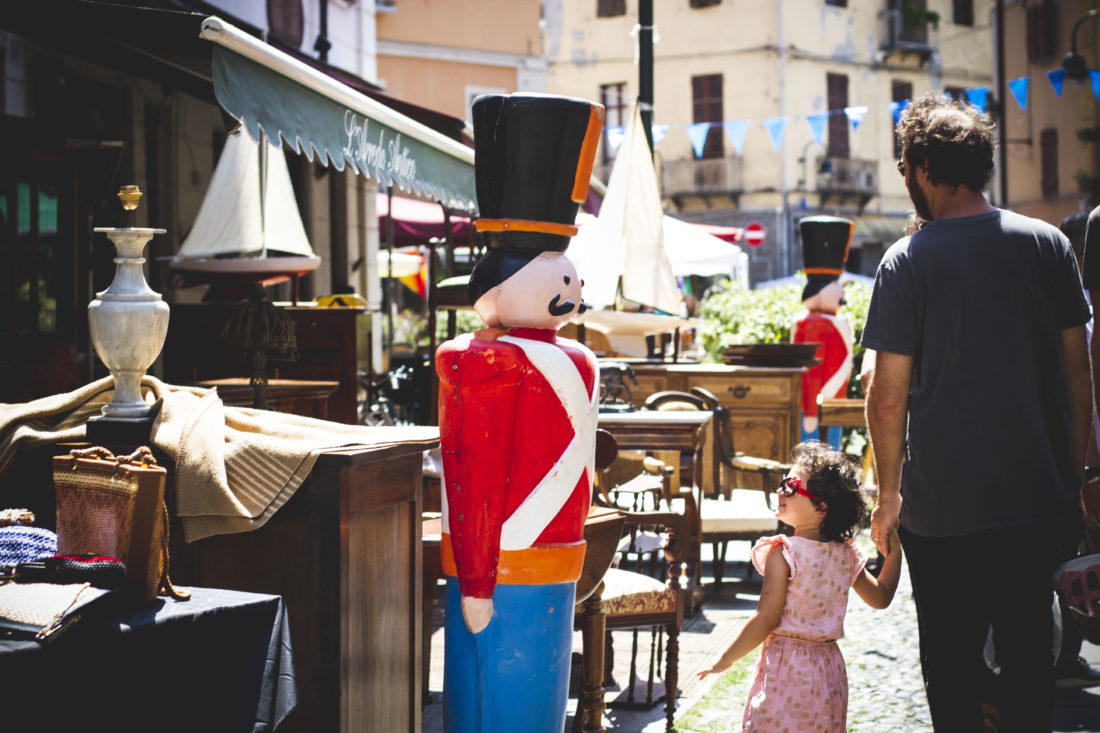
(689, 249)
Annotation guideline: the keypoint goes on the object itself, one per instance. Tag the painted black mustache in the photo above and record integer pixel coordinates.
(560, 310)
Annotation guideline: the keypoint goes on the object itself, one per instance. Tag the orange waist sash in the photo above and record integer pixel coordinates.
(538, 565)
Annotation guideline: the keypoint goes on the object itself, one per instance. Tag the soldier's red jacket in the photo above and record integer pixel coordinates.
(830, 376)
(503, 429)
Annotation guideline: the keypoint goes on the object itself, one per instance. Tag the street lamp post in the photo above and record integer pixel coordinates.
(1073, 63)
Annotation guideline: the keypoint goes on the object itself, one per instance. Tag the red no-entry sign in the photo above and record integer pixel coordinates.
(754, 234)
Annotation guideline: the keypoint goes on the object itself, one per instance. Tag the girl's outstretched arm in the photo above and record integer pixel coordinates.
(768, 612)
(878, 592)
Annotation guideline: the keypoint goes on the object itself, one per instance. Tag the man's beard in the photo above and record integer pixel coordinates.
(920, 201)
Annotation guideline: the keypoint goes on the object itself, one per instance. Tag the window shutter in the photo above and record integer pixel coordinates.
(837, 87)
(1048, 151)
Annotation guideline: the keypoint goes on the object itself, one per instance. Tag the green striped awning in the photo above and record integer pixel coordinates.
(324, 119)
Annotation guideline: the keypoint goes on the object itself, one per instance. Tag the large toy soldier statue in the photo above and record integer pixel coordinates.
(825, 241)
(517, 417)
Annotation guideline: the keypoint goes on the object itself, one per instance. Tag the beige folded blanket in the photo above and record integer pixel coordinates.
(234, 466)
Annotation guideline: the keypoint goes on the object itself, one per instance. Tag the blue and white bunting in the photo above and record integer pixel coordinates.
(855, 115)
(896, 109)
(776, 126)
(1094, 77)
(979, 97)
(1057, 76)
(1019, 91)
(697, 133)
(659, 132)
(736, 131)
(817, 126)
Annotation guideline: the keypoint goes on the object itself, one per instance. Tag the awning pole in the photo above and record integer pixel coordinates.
(390, 305)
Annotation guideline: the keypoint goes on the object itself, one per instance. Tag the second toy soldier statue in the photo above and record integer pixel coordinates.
(825, 241)
(518, 408)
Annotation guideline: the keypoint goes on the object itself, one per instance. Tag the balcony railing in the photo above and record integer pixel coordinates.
(848, 177)
(706, 176)
(900, 36)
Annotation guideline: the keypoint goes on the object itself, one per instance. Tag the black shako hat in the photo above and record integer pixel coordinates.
(825, 242)
(533, 156)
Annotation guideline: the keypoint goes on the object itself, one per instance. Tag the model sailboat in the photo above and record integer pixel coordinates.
(248, 227)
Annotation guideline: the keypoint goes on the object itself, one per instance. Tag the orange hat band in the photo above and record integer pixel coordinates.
(587, 155)
(526, 225)
(822, 270)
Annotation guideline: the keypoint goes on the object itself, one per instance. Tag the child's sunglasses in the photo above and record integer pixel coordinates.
(793, 485)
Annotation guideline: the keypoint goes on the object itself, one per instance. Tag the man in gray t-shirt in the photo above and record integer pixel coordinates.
(981, 384)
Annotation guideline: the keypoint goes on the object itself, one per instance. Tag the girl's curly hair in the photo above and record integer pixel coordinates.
(951, 137)
(832, 476)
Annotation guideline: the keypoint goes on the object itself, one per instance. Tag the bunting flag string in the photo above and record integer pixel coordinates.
(817, 126)
(736, 132)
(1019, 91)
(776, 127)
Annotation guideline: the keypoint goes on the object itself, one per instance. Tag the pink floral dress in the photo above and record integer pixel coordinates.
(801, 682)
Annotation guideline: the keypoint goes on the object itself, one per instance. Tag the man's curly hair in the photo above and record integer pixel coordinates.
(950, 136)
(833, 478)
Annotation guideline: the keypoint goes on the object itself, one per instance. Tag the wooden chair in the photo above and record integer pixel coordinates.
(634, 601)
(740, 507)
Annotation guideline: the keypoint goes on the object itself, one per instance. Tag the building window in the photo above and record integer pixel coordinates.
(610, 8)
(837, 86)
(838, 3)
(286, 21)
(962, 12)
(1042, 31)
(613, 99)
(706, 104)
(900, 91)
(1048, 154)
(703, 3)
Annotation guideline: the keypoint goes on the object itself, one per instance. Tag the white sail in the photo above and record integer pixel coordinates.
(283, 230)
(629, 256)
(232, 219)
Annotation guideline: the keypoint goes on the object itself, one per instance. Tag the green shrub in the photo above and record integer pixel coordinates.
(732, 315)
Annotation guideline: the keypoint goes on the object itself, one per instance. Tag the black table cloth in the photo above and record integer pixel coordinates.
(221, 661)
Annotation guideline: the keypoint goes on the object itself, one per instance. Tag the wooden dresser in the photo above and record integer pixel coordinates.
(195, 352)
(765, 403)
(344, 553)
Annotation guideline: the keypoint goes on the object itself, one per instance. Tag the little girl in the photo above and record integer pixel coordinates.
(801, 683)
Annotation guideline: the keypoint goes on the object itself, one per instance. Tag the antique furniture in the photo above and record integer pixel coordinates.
(682, 432)
(738, 508)
(633, 601)
(326, 341)
(847, 413)
(344, 553)
(305, 397)
(220, 661)
(765, 402)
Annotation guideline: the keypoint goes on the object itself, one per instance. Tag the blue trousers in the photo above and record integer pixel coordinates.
(514, 675)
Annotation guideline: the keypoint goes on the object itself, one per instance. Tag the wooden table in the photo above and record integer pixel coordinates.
(839, 412)
(765, 403)
(683, 431)
(673, 431)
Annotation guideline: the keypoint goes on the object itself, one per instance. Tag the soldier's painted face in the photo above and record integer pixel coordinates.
(545, 293)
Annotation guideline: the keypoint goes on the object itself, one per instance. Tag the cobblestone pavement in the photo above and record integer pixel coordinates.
(886, 693)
